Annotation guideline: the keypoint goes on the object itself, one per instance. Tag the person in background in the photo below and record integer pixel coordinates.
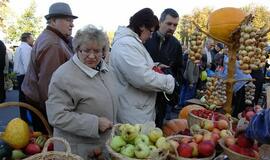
(216, 50)
(2, 67)
(138, 83)
(21, 61)
(82, 104)
(208, 56)
(50, 50)
(258, 75)
(191, 77)
(165, 49)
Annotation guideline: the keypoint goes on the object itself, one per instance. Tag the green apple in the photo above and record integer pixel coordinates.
(163, 144)
(195, 127)
(152, 148)
(155, 134)
(128, 132)
(142, 151)
(142, 138)
(17, 154)
(117, 143)
(128, 150)
(225, 133)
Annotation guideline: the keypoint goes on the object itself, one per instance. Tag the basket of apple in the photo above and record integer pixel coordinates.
(240, 147)
(190, 148)
(131, 142)
(249, 112)
(196, 116)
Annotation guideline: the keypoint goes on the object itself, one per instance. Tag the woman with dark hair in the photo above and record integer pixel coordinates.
(138, 82)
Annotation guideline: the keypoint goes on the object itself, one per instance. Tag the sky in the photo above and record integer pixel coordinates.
(109, 14)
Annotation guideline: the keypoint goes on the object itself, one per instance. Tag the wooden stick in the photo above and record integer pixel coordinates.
(268, 97)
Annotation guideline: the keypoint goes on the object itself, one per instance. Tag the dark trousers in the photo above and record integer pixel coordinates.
(36, 121)
(23, 111)
(2, 87)
(160, 110)
(239, 102)
(259, 77)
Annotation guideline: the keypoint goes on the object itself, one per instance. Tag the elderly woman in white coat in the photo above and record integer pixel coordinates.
(138, 83)
(82, 103)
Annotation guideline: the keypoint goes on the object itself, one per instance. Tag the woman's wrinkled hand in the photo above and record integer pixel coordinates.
(104, 124)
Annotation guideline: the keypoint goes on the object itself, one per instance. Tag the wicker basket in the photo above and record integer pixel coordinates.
(233, 155)
(159, 155)
(56, 155)
(31, 108)
(177, 157)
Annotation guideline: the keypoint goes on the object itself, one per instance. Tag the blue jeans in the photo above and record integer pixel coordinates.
(187, 92)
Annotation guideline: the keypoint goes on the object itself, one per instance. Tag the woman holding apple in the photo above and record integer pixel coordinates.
(138, 82)
(81, 105)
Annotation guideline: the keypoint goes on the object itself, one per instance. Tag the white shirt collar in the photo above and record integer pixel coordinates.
(87, 70)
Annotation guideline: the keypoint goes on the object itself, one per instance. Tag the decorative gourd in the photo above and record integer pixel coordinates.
(174, 126)
(183, 114)
(222, 22)
(5, 150)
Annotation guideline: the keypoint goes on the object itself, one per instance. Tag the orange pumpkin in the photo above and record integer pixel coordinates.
(174, 126)
(222, 22)
(184, 111)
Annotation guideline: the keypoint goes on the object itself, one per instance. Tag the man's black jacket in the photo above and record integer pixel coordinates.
(169, 53)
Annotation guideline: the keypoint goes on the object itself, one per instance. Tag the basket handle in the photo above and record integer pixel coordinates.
(31, 108)
(52, 139)
(114, 129)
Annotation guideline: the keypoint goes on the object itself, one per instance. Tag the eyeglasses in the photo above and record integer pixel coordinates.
(87, 52)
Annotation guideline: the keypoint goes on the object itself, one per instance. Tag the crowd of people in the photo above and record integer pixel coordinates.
(83, 87)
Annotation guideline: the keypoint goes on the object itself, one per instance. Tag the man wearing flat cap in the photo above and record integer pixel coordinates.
(50, 50)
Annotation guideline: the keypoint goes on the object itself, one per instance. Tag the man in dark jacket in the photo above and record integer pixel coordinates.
(2, 67)
(50, 50)
(164, 48)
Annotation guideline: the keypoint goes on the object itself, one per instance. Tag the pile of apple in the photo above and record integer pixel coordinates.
(208, 114)
(133, 144)
(242, 145)
(198, 146)
(217, 129)
(34, 146)
(249, 112)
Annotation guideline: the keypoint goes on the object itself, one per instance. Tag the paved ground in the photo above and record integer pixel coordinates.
(6, 114)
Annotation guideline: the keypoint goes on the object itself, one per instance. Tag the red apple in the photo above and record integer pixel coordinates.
(255, 147)
(222, 124)
(249, 115)
(206, 148)
(215, 130)
(230, 140)
(244, 142)
(235, 148)
(185, 150)
(32, 148)
(215, 137)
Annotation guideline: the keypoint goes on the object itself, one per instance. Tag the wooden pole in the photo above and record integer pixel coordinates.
(230, 78)
(268, 97)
